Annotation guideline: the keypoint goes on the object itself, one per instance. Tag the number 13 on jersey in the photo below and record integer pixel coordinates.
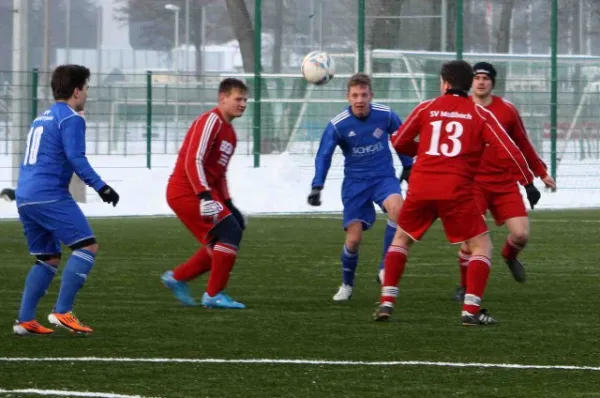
(455, 130)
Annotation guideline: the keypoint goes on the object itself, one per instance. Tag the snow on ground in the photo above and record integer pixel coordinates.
(279, 186)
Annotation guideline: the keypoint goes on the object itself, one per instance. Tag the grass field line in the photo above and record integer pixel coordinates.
(62, 393)
(317, 362)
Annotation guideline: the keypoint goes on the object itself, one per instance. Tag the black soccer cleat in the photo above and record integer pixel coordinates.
(459, 294)
(480, 318)
(382, 313)
(516, 269)
(8, 194)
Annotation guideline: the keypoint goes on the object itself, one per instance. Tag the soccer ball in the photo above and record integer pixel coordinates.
(318, 68)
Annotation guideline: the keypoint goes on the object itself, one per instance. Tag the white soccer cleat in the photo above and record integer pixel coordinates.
(343, 294)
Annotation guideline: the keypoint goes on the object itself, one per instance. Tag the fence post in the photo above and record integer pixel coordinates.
(553, 86)
(459, 29)
(34, 94)
(361, 36)
(257, 81)
(149, 119)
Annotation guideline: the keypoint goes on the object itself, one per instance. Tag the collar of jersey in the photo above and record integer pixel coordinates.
(455, 91)
(362, 119)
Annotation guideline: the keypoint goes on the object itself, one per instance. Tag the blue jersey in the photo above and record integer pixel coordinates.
(364, 143)
(55, 149)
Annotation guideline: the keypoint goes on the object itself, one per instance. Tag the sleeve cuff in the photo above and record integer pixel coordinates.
(99, 185)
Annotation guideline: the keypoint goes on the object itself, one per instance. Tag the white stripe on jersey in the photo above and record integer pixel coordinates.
(208, 126)
(341, 116)
(380, 107)
(523, 172)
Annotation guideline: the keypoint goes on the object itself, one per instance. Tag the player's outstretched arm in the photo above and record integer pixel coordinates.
(406, 161)
(495, 135)
(521, 138)
(73, 140)
(404, 141)
(329, 140)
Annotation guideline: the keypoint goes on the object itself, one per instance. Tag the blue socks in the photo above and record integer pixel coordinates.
(349, 263)
(36, 284)
(73, 277)
(390, 230)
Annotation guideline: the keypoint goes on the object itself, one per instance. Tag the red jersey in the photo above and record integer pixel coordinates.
(491, 168)
(453, 132)
(204, 155)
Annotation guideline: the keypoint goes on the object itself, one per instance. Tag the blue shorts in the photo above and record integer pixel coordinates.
(358, 196)
(46, 225)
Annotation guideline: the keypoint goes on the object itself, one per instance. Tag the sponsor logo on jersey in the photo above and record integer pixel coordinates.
(367, 149)
(351, 134)
(377, 133)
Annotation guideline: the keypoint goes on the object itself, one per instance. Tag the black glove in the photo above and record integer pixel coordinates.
(236, 213)
(314, 198)
(109, 195)
(533, 195)
(8, 194)
(405, 173)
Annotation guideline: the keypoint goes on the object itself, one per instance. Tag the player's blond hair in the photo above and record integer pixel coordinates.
(359, 79)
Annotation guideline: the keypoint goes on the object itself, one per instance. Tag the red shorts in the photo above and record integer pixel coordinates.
(460, 217)
(187, 209)
(504, 202)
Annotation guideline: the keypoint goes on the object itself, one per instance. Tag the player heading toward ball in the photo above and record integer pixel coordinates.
(55, 149)
(198, 194)
(453, 132)
(362, 131)
(496, 189)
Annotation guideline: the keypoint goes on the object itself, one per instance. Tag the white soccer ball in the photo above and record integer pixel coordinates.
(318, 67)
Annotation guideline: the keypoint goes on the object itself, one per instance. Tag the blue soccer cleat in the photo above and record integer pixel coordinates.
(221, 300)
(180, 289)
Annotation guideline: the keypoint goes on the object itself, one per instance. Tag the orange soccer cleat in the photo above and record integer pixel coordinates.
(69, 321)
(30, 327)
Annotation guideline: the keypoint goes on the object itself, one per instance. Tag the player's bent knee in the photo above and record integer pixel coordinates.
(520, 237)
(352, 244)
(228, 231)
(52, 259)
(89, 244)
(392, 206)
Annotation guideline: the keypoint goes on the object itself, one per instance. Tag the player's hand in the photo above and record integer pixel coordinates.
(314, 198)
(533, 195)
(405, 175)
(549, 182)
(210, 207)
(236, 213)
(8, 194)
(109, 195)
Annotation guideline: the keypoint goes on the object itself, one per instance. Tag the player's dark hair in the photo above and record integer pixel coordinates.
(359, 79)
(458, 74)
(66, 78)
(230, 84)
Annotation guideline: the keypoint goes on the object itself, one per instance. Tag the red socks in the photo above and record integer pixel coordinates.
(199, 263)
(511, 250)
(223, 259)
(478, 272)
(395, 261)
(463, 263)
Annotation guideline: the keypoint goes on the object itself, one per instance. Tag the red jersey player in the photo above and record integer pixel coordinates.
(452, 133)
(496, 190)
(197, 192)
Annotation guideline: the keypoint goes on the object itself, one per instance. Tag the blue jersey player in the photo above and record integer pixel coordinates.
(362, 131)
(55, 149)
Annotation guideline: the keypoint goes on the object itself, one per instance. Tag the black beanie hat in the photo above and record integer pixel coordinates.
(486, 69)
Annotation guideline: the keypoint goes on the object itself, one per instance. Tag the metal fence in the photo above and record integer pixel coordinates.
(547, 69)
